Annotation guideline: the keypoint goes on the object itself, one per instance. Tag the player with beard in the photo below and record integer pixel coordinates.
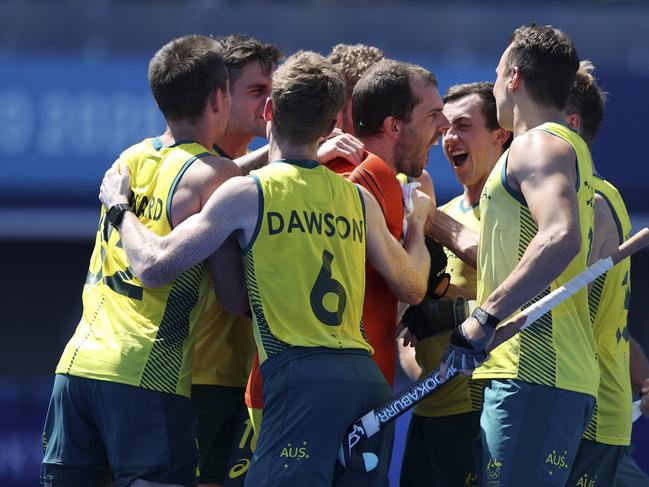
(224, 342)
(302, 231)
(397, 114)
(444, 426)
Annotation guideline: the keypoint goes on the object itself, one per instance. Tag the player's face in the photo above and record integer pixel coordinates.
(471, 148)
(504, 105)
(427, 122)
(249, 93)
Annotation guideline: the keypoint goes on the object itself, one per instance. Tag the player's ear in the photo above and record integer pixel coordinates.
(515, 78)
(574, 121)
(218, 99)
(268, 110)
(500, 136)
(392, 127)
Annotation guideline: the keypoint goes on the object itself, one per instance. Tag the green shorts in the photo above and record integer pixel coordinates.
(530, 433)
(439, 451)
(219, 411)
(629, 474)
(596, 463)
(97, 427)
(311, 396)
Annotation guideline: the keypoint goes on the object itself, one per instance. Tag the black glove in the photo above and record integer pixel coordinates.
(435, 316)
(438, 279)
(466, 354)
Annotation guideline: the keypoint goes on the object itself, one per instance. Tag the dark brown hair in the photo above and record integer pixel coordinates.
(239, 50)
(587, 100)
(183, 74)
(384, 90)
(547, 61)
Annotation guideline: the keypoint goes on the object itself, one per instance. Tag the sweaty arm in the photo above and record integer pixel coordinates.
(253, 160)
(543, 168)
(156, 260)
(459, 239)
(405, 269)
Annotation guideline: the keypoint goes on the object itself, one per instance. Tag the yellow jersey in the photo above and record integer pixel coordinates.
(225, 345)
(130, 334)
(305, 265)
(461, 395)
(609, 303)
(558, 350)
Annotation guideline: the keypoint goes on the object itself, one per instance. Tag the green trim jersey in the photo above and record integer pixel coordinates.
(461, 395)
(305, 265)
(130, 334)
(608, 303)
(225, 345)
(558, 350)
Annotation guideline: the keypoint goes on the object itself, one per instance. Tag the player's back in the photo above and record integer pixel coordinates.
(305, 264)
(130, 334)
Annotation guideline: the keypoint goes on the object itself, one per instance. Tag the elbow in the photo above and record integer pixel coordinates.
(570, 241)
(149, 271)
(414, 293)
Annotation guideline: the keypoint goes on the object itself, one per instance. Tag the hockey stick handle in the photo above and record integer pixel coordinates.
(533, 312)
(370, 424)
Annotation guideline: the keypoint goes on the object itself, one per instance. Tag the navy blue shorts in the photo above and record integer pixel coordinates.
(311, 396)
(95, 429)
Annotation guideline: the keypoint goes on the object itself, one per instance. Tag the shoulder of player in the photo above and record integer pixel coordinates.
(208, 172)
(537, 149)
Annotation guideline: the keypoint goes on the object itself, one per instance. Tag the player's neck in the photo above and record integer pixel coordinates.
(380, 148)
(283, 150)
(181, 130)
(472, 193)
(527, 116)
(234, 145)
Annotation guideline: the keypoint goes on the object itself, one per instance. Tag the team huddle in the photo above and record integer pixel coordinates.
(243, 308)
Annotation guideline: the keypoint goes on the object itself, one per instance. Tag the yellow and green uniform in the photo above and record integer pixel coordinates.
(225, 344)
(558, 350)
(130, 334)
(460, 395)
(608, 303)
(322, 254)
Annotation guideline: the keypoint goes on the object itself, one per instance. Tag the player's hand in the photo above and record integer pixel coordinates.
(644, 403)
(342, 145)
(421, 207)
(116, 186)
(468, 347)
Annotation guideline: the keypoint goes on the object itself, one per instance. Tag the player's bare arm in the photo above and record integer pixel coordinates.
(228, 276)
(459, 239)
(157, 260)
(547, 181)
(406, 268)
(253, 160)
(605, 236)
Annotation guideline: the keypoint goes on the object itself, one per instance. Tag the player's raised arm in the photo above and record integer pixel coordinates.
(460, 239)
(157, 260)
(405, 269)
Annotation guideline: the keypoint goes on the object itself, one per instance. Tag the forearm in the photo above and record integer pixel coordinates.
(157, 260)
(639, 366)
(461, 240)
(408, 362)
(544, 260)
(253, 160)
(419, 265)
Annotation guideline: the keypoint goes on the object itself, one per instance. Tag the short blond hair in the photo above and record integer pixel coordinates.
(352, 60)
(307, 94)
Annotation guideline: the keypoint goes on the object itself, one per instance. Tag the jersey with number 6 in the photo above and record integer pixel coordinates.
(127, 333)
(305, 265)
